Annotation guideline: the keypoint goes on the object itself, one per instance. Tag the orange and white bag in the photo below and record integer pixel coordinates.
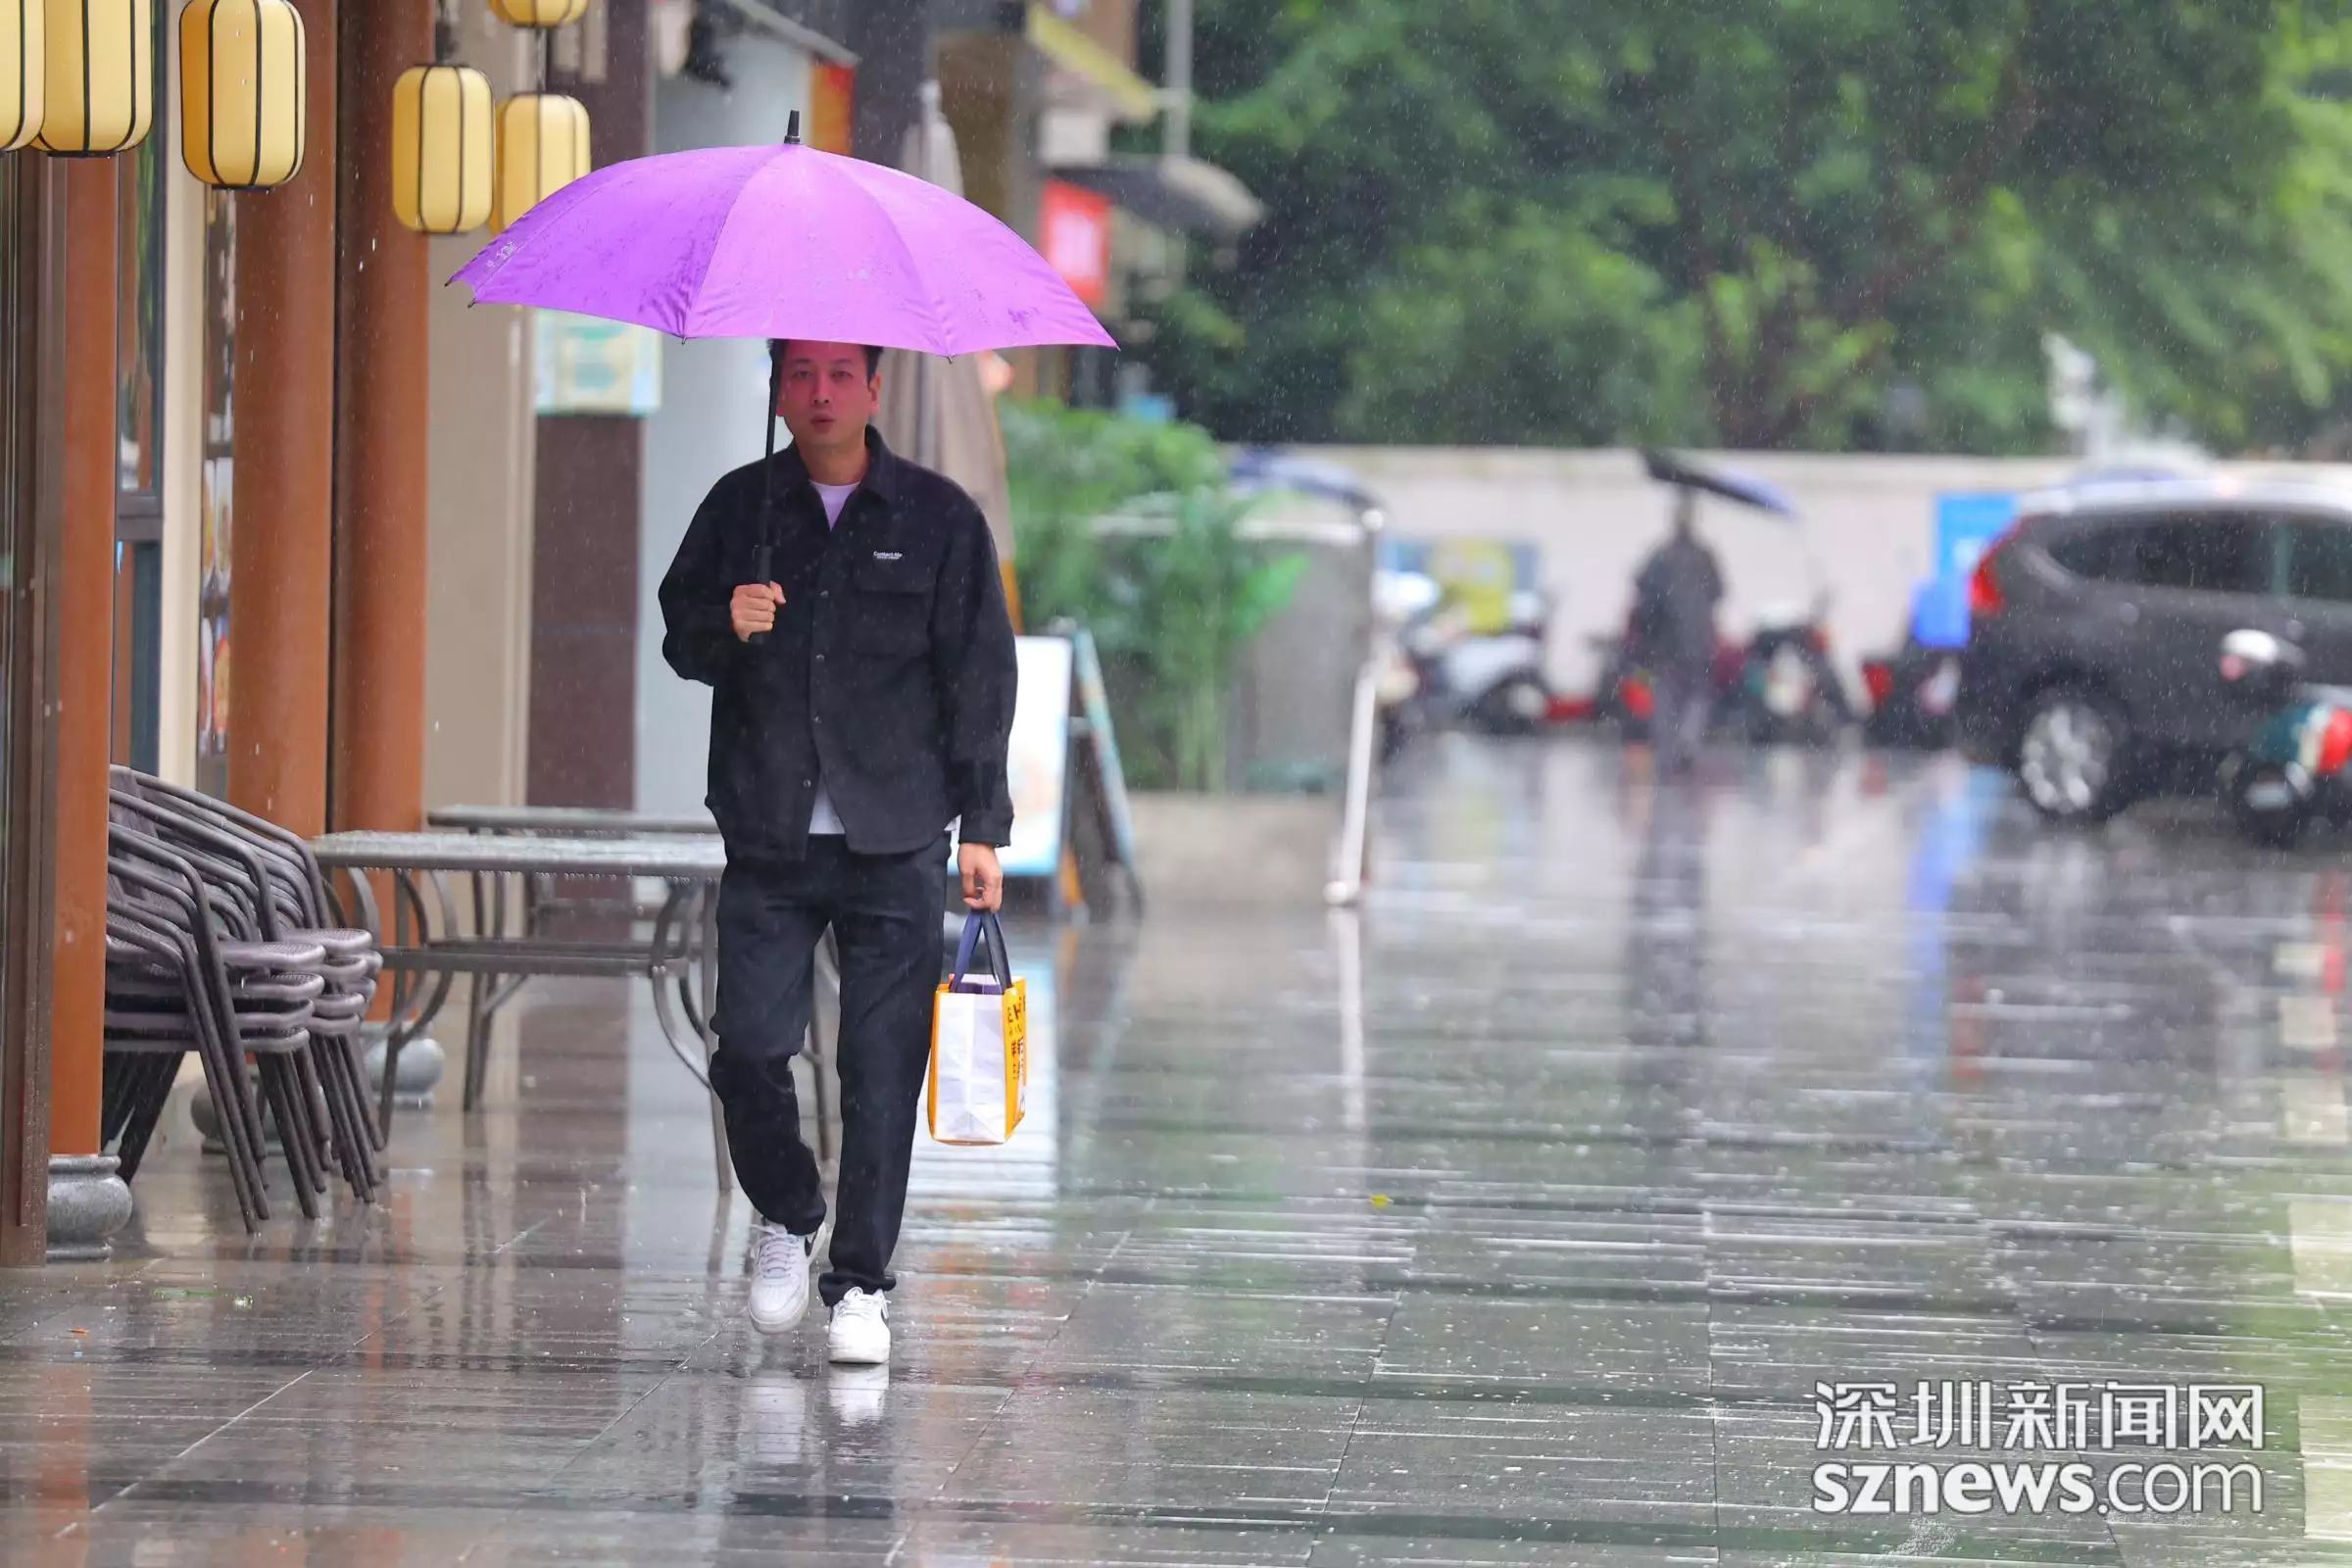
(979, 1043)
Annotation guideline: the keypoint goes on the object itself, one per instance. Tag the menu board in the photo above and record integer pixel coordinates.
(1039, 762)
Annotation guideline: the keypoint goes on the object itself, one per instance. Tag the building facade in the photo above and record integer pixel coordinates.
(284, 519)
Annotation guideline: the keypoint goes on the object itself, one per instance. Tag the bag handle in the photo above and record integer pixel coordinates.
(979, 923)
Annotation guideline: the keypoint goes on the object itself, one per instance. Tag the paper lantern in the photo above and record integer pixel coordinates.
(443, 149)
(244, 92)
(22, 71)
(542, 147)
(100, 93)
(539, 13)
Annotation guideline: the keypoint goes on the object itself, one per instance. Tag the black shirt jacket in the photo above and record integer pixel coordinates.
(891, 667)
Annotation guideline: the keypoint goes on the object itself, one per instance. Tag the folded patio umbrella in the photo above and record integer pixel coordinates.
(937, 411)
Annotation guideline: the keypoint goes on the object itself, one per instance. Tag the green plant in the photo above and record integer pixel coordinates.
(1131, 529)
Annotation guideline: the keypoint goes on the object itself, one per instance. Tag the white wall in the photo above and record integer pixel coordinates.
(483, 435)
(711, 394)
(479, 488)
(1867, 535)
(183, 476)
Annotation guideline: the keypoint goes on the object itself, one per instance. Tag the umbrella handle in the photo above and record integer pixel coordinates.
(763, 571)
(763, 557)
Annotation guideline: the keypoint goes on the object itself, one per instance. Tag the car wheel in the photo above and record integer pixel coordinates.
(2072, 756)
(2266, 805)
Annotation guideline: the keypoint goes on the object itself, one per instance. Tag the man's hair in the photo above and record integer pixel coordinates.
(873, 354)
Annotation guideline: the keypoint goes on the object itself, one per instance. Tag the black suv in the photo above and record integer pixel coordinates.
(2093, 660)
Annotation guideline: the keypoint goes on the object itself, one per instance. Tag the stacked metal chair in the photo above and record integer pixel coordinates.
(220, 941)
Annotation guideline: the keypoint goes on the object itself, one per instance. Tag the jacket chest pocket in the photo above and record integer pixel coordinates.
(890, 606)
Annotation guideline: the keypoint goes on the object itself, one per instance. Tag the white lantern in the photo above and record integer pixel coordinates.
(443, 149)
(244, 92)
(23, 71)
(100, 93)
(542, 147)
(540, 13)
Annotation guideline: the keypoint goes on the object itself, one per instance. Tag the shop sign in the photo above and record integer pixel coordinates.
(587, 366)
(1076, 224)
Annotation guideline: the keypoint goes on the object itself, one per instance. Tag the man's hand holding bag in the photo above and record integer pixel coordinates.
(979, 1043)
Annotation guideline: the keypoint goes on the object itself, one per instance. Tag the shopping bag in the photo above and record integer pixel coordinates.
(979, 1043)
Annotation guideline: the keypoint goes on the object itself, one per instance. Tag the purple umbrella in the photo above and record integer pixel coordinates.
(782, 241)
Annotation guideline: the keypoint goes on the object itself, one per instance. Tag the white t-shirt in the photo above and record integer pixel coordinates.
(824, 818)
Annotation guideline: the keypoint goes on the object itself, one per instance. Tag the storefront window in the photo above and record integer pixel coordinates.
(139, 336)
(212, 610)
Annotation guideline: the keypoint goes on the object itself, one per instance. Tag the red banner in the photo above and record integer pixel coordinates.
(1074, 225)
(832, 91)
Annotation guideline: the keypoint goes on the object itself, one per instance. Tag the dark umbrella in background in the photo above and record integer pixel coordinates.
(1745, 489)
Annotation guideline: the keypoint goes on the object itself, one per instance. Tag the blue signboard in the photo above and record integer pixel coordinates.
(1966, 525)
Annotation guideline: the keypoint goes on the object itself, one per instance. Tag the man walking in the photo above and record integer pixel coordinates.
(1674, 617)
(863, 695)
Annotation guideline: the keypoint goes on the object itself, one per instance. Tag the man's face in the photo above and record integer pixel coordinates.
(828, 397)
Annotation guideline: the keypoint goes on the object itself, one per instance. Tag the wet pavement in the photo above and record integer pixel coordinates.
(1631, 1156)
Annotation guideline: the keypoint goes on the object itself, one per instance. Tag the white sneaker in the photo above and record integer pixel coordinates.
(861, 1329)
(779, 1278)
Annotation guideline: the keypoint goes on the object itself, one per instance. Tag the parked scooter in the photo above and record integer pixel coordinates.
(2296, 769)
(1489, 681)
(1912, 694)
(1400, 599)
(1789, 693)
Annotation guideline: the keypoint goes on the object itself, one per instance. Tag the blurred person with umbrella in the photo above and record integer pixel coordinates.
(846, 607)
(1675, 595)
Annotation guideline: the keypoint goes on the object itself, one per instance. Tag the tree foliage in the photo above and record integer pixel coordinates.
(1768, 222)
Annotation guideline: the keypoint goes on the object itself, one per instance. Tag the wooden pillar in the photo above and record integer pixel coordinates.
(384, 399)
(86, 602)
(33, 356)
(283, 451)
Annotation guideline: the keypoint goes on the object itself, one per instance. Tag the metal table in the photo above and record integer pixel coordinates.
(585, 821)
(542, 897)
(425, 952)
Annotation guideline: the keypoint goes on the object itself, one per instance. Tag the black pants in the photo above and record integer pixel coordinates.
(885, 915)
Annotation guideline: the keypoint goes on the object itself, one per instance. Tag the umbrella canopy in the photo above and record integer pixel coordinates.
(781, 241)
(1745, 489)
